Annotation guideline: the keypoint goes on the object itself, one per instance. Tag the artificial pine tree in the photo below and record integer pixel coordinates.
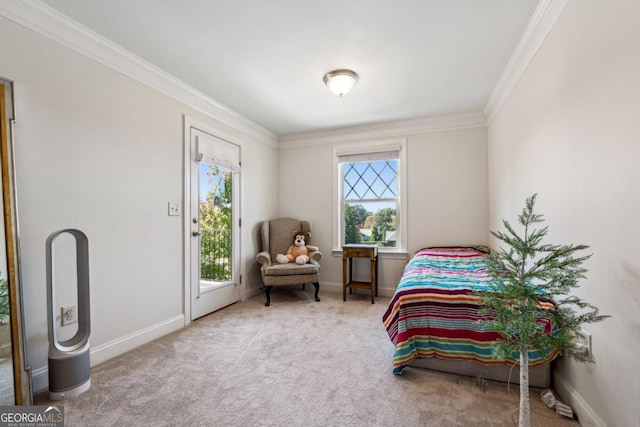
(524, 274)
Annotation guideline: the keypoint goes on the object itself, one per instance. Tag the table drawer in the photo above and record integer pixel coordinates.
(358, 253)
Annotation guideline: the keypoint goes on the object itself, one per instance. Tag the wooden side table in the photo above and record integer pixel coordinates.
(359, 251)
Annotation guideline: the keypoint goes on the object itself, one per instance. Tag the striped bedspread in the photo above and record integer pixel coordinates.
(434, 313)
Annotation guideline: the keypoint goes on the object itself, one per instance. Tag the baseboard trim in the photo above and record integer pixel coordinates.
(569, 395)
(326, 286)
(337, 287)
(40, 380)
(104, 352)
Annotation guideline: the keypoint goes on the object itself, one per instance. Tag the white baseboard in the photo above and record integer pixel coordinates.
(40, 379)
(337, 287)
(104, 352)
(334, 287)
(569, 395)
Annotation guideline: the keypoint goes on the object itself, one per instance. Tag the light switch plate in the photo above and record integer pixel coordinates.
(174, 209)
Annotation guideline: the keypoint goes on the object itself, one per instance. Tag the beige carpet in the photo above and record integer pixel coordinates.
(296, 363)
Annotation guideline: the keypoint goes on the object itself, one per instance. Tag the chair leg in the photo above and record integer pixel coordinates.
(304, 285)
(267, 292)
(317, 286)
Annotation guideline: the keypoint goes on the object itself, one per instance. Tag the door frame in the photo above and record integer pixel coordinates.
(21, 371)
(190, 123)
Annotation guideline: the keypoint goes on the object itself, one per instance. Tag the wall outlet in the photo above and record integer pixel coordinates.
(584, 340)
(174, 209)
(69, 315)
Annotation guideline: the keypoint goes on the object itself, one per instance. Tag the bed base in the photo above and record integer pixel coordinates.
(539, 376)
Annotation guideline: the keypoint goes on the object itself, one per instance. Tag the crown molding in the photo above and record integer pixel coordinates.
(385, 130)
(542, 22)
(48, 22)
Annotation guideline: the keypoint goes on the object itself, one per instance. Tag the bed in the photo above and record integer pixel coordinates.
(432, 319)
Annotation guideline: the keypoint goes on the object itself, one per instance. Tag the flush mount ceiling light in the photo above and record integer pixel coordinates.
(340, 81)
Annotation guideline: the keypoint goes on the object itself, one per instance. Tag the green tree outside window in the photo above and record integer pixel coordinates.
(215, 227)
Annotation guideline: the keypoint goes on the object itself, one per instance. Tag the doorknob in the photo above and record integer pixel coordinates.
(195, 233)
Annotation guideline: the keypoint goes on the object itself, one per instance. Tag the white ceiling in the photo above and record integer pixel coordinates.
(266, 59)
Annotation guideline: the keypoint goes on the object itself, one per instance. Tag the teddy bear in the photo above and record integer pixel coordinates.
(299, 251)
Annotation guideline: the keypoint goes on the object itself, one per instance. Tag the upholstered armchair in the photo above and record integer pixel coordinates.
(276, 236)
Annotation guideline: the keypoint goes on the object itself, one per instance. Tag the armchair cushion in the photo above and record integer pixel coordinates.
(291, 268)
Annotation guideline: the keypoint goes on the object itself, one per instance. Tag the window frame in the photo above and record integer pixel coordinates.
(362, 148)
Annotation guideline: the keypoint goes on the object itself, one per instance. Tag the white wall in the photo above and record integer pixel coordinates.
(447, 193)
(260, 175)
(570, 131)
(103, 153)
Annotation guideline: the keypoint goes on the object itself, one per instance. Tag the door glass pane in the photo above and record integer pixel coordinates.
(215, 226)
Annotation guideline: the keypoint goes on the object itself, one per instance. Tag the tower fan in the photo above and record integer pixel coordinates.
(69, 373)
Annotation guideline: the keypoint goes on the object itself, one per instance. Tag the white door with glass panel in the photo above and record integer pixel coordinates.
(214, 223)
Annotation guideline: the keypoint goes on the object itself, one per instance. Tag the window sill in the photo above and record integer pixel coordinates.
(398, 254)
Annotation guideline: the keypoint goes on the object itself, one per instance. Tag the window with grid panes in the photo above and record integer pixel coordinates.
(370, 208)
